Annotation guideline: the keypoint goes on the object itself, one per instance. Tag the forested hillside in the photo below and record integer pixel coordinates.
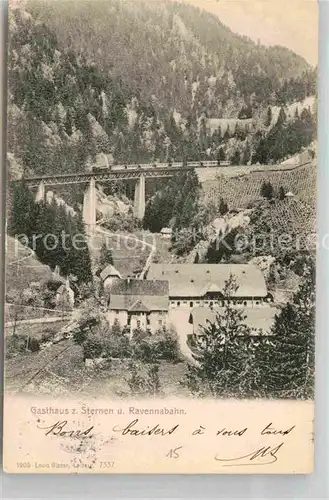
(177, 56)
(144, 82)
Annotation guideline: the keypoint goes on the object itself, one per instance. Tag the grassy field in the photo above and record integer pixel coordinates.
(21, 267)
(129, 255)
(60, 370)
(35, 330)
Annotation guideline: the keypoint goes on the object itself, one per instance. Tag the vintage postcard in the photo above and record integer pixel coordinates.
(160, 236)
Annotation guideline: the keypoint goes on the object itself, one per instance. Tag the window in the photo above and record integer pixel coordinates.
(138, 323)
(178, 303)
(191, 304)
(148, 321)
(245, 303)
(160, 322)
(211, 304)
(117, 312)
(129, 320)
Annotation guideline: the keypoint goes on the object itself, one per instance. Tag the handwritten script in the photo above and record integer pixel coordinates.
(264, 453)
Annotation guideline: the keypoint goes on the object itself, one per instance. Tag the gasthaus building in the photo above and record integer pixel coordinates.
(197, 285)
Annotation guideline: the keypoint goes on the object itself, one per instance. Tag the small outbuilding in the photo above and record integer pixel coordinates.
(109, 275)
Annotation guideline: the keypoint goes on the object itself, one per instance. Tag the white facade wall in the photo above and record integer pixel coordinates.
(152, 321)
(191, 303)
(121, 316)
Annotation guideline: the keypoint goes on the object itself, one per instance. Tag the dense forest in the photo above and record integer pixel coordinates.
(57, 237)
(145, 82)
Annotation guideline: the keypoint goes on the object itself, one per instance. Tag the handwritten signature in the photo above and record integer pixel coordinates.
(60, 429)
(262, 456)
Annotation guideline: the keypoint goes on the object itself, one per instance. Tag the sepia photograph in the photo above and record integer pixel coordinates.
(161, 203)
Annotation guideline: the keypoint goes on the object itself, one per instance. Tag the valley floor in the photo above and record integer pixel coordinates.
(59, 370)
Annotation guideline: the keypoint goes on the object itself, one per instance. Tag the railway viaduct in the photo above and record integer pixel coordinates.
(138, 173)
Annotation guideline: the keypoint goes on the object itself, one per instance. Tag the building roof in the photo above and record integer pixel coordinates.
(166, 230)
(139, 295)
(195, 280)
(109, 271)
(257, 317)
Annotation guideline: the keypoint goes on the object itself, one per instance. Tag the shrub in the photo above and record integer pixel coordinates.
(163, 345)
(92, 347)
(167, 346)
(46, 337)
(15, 344)
(34, 345)
(139, 334)
(143, 382)
(145, 350)
(115, 346)
(80, 335)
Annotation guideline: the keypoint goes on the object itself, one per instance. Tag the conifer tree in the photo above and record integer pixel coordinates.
(282, 194)
(221, 352)
(80, 263)
(23, 211)
(289, 365)
(227, 134)
(223, 207)
(268, 117)
(106, 256)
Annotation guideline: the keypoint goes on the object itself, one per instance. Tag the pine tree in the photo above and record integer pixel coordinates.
(268, 117)
(221, 155)
(267, 190)
(223, 207)
(282, 194)
(221, 353)
(45, 244)
(289, 361)
(116, 328)
(227, 134)
(23, 211)
(79, 257)
(106, 256)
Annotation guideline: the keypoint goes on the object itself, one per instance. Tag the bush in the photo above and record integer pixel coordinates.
(139, 334)
(92, 347)
(144, 382)
(46, 337)
(80, 335)
(115, 346)
(34, 345)
(21, 343)
(163, 345)
(145, 350)
(15, 344)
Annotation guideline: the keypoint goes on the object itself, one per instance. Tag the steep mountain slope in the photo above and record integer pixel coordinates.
(144, 82)
(177, 56)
